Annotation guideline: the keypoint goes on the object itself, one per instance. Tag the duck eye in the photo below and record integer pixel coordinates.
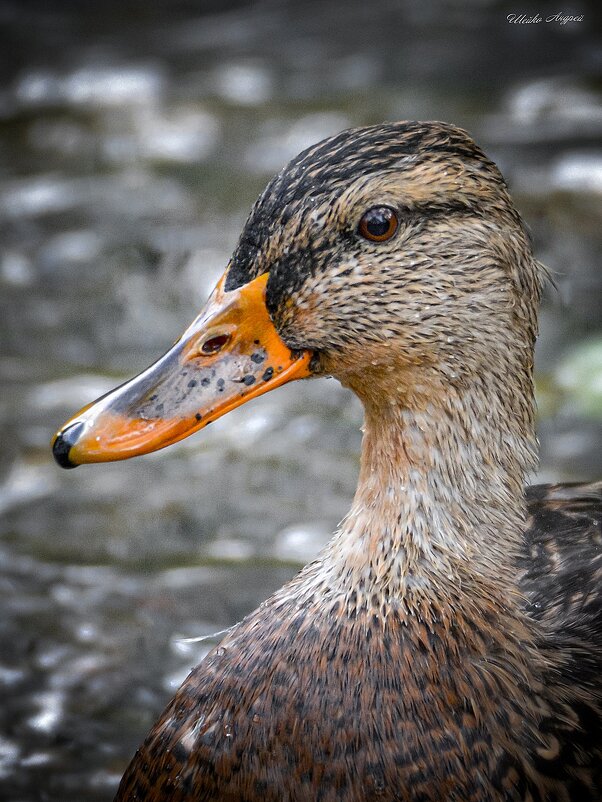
(378, 224)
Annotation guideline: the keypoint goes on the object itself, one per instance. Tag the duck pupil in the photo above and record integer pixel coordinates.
(378, 223)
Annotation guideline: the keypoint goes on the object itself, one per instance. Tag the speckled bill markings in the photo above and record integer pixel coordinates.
(229, 354)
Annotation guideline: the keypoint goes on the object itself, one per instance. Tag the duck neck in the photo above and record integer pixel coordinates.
(439, 509)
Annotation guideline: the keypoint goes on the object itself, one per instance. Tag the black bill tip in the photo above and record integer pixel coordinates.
(63, 443)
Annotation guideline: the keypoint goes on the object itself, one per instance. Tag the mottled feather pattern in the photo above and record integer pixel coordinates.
(445, 645)
(301, 696)
(563, 567)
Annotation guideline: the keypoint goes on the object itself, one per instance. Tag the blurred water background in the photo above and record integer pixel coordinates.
(134, 137)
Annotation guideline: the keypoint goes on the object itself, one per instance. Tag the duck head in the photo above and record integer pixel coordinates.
(390, 257)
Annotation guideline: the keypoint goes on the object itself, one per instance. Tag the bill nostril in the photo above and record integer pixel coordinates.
(214, 344)
(63, 443)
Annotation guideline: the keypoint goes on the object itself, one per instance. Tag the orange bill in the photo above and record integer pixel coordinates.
(228, 355)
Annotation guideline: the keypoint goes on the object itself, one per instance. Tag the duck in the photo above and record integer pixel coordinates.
(446, 643)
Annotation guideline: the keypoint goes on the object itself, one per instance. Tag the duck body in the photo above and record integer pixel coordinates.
(314, 696)
(447, 643)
